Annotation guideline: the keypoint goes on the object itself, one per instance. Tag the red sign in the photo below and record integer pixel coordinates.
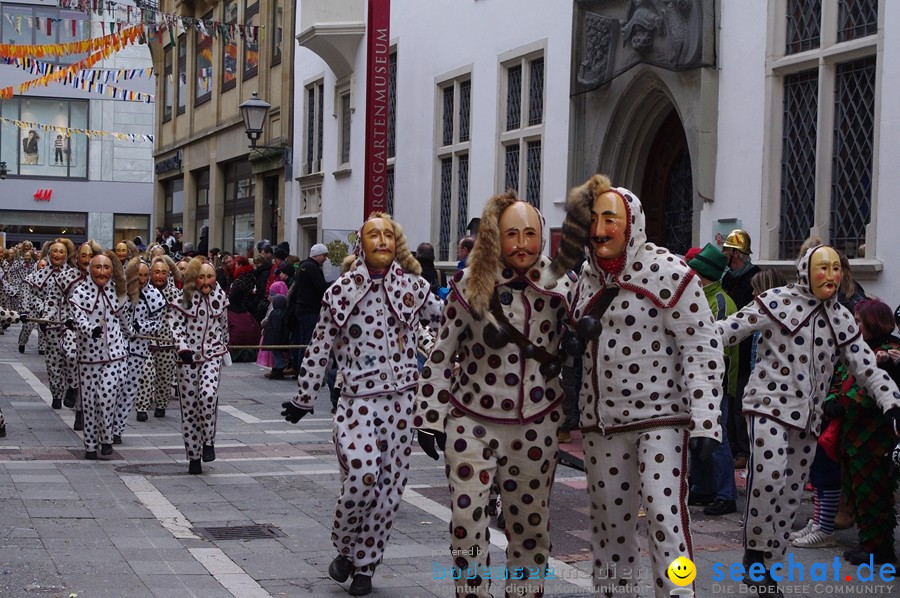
(378, 53)
(43, 194)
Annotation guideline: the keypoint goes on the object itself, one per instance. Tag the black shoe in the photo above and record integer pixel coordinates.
(142, 416)
(195, 467)
(70, 398)
(879, 557)
(117, 439)
(340, 568)
(361, 585)
(159, 412)
(276, 374)
(3, 431)
(90, 455)
(696, 499)
(79, 421)
(105, 449)
(721, 507)
(21, 348)
(767, 587)
(209, 453)
(56, 404)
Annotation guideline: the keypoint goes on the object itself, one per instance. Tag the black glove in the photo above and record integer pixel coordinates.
(893, 416)
(42, 327)
(427, 440)
(70, 324)
(23, 317)
(703, 448)
(833, 409)
(136, 326)
(97, 332)
(292, 413)
(186, 356)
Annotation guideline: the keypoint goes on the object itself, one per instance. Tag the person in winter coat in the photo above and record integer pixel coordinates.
(98, 317)
(652, 379)
(370, 319)
(199, 325)
(305, 299)
(805, 331)
(275, 332)
(504, 319)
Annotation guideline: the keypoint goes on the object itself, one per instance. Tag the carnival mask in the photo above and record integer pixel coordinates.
(143, 274)
(101, 270)
(520, 236)
(85, 253)
(825, 273)
(58, 254)
(122, 252)
(378, 243)
(159, 274)
(206, 280)
(609, 223)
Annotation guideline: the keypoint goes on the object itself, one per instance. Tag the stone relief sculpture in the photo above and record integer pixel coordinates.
(597, 46)
(643, 25)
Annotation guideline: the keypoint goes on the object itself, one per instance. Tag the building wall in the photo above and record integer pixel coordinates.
(435, 40)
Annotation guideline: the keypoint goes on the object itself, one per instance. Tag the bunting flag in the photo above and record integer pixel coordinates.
(117, 40)
(117, 14)
(132, 137)
(92, 80)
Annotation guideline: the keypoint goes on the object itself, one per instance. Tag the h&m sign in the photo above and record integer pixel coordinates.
(43, 194)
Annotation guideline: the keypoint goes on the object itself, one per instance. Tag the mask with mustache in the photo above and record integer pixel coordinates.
(520, 236)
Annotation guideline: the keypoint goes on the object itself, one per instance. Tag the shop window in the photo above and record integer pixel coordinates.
(40, 226)
(251, 48)
(240, 196)
(129, 226)
(34, 151)
(229, 49)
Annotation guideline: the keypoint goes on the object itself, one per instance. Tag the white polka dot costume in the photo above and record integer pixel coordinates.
(501, 416)
(101, 354)
(371, 324)
(652, 379)
(157, 378)
(31, 304)
(201, 326)
(53, 283)
(802, 338)
(7, 317)
(143, 318)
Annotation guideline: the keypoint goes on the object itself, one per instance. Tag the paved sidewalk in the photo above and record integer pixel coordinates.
(134, 525)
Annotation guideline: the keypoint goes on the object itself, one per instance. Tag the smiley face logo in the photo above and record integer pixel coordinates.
(682, 571)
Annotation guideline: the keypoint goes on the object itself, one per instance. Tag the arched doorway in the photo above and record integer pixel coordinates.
(667, 192)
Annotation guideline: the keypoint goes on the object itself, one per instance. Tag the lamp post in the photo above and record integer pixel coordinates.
(254, 112)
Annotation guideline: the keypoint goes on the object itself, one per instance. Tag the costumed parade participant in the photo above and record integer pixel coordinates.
(126, 251)
(804, 332)
(503, 322)
(652, 380)
(52, 283)
(28, 301)
(143, 316)
(98, 309)
(157, 379)
(7, 317)
(370, 319)
(199, 324)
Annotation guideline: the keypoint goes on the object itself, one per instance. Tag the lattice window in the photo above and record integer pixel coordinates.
(465, 93)
(446, 207)
(392, 106)
(804, 25)
(798, 161)
(389, 191)
(533, 174)
(447, 136)
(462, 219)
(315, 111)
(511, 180)
(851, 173)
(513, 98)
(310, 126)
(536, 93)
(345, 128)
(857, 18)
(679, 205)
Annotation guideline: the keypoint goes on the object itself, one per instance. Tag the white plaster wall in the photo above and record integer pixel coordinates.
(741, 125)
(432, 39)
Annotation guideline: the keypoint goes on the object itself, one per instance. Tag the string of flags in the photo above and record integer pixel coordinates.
(117, 40)
(158, 22)
(89, 79)
(68, 132)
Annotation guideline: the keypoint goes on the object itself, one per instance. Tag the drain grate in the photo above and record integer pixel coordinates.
(241, 532)
(152, 469)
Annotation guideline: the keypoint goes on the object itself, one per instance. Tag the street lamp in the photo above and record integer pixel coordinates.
(254, 113)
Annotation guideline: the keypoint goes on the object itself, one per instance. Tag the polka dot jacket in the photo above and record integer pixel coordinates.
(496, 385)
(7, 317)
(53, 283)
(144, 318)
(203, 326)
(94, 306)
(371, 325)
(658, 361)
(801, 340)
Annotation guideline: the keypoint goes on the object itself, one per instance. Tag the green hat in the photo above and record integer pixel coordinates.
(710, 263)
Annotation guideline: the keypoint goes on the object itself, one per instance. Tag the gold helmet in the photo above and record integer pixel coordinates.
(738, 239)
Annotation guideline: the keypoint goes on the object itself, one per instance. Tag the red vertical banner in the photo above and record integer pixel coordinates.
(378, 52)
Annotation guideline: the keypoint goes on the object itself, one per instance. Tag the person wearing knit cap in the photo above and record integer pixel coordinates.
(805, 331)
(305, 301)
(712, 480)
(370, 320)
(651, 379)
(497, 421)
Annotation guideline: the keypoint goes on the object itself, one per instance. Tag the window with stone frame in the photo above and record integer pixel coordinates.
(827, 106)
(452, 160)
(251, 46)
(314, 120)
(522, 126)
(203, 72)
